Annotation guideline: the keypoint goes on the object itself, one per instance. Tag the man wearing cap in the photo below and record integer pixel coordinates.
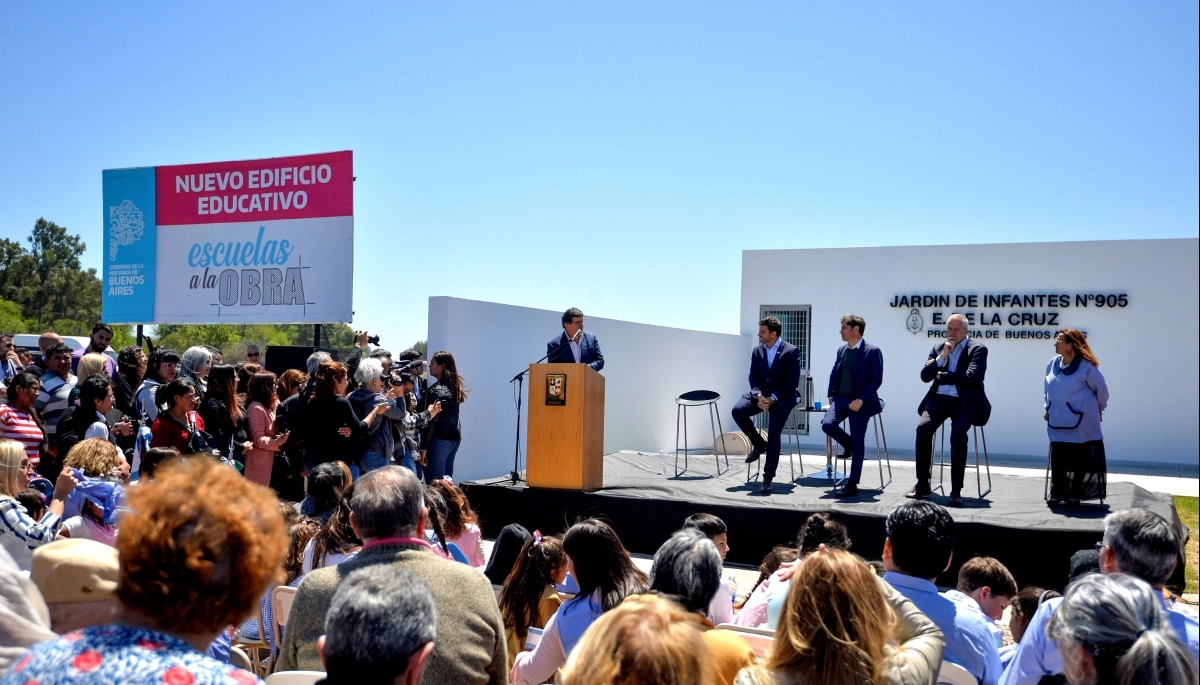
(78, 580)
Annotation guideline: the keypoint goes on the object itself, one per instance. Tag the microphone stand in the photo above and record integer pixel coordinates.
(515, 475)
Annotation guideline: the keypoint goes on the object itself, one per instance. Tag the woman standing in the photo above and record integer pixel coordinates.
(444, 431)
(260, 392)
(330, 422)
(196, 363)
(223, 416)
(89, 420)
(1075, 398)
(18, 420)
(175, 424)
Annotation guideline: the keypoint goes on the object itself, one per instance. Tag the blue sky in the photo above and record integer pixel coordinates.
(619, 156)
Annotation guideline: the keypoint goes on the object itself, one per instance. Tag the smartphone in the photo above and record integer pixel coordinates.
(391, 402)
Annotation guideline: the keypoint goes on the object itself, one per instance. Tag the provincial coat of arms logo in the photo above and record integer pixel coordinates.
(915, 324)
(126, 226)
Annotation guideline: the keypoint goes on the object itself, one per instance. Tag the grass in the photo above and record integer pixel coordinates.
(1189, 513)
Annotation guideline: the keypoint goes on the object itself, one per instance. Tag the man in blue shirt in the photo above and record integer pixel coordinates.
(1136, 541)
(919, 546)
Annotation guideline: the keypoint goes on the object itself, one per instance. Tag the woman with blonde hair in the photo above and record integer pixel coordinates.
(842, 625)
(1075, 396)
(20, 534)
(645, 641)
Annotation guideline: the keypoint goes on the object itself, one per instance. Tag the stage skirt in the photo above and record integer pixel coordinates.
(1078, 470)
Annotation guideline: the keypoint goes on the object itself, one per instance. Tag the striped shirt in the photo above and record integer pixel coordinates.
(52, 401)
(22, 427)
(20, 534)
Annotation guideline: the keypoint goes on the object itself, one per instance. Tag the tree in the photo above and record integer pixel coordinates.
(11, 320)
(48, 282)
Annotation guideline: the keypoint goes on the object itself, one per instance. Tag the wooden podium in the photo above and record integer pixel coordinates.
(566, 427)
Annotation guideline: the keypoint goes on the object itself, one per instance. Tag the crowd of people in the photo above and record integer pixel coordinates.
(140, 546)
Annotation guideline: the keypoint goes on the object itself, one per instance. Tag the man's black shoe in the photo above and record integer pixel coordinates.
(766, 485)
(921, 489)
(753, 456)
(955, 499)
(847, 490)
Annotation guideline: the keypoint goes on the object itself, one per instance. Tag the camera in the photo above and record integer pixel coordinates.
(373, 339)
(405, 372)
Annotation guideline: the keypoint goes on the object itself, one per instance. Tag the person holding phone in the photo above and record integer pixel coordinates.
(956, 369)
(264, 441)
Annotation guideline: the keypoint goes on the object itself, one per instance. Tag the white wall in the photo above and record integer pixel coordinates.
(646, 367)
(1147, 350)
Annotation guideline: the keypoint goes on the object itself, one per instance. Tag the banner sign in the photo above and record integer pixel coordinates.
(258, 241)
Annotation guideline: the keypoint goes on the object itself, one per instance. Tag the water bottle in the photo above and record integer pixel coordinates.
(808, 392)
(662, 462)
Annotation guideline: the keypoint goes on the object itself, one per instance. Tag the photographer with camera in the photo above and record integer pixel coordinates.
(361, 340)
(385, 440)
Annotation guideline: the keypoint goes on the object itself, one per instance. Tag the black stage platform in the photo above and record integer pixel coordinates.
(1012, 523)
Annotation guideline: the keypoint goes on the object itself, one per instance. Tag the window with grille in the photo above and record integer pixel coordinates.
(797, 331)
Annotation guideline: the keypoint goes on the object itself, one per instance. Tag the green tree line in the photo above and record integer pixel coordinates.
(44, 287)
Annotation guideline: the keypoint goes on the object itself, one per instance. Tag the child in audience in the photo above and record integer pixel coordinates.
(157, 458)
(606, 576)
(528, 598)
(335, 541)
(753, 612)
(985, 586)
(435, 532)
(34, 503)
(721, 609)
(461, 525)
(1024, 605)
(300, 533)
(89, 525)
(819, 529)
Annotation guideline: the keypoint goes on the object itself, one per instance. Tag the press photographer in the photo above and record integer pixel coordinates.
(394, 437)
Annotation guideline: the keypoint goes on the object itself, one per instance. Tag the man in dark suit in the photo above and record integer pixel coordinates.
(854, 386)
(574, 346)
(774, 377)
(956, 368)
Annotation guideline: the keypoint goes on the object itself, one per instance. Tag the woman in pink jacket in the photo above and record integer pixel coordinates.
(265, 443)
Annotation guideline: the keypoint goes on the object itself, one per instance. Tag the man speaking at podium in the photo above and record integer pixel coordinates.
(574, 346)
(774, 377)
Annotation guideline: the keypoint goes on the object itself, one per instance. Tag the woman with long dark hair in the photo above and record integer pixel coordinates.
(178, 417)
(19, 421)
(606, 576)
(528, 598)
(224, 417)
(335, 540)
(326, 483)
(444, 431)
(330, 424)
(266, 443)
(1075, 398)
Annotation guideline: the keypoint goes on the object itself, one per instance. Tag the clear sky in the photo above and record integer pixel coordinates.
(618, 156)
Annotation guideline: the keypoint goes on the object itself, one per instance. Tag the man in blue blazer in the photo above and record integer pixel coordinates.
(854, 386)
(574, 346)
(774, 377)
(956, 368)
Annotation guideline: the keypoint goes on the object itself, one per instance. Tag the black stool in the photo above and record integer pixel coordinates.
(697, 398)
(978, 434)
(763, 418)
(880, 458)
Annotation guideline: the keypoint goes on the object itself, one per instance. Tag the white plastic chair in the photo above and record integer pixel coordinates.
(281, 605)
(762, 640)
(953, 674)
(295, 677)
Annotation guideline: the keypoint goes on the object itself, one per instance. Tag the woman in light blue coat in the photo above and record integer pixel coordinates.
(1075, 398)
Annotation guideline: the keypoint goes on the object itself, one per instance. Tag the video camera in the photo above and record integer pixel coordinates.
(405, 372)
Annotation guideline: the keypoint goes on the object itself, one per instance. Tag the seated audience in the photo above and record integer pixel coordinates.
(1112, 629)
(326, 484)
(1083, 562)
(389, 516)
(505, 550)
(985, 586)
(20, 535)
(842, 625)
(528, 598)
(300, 531)
(919, 546)
(819, 529)
(754, 609)
(1024, 605)
(334, 541)
(78, 580)
(34, 502)
(461, 524)
(606, 576)
(179, 418)
(380, 629)
(648, 642)
(435, 534)
(687, 569)
(98, 460)
(715, 529)
(157, 458)
(210, 536)
(1137, 542)
(23, 619)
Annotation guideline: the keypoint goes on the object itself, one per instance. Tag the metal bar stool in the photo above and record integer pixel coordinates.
(697, 398)
(791, 437)
(979, 434)
(880, 457)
